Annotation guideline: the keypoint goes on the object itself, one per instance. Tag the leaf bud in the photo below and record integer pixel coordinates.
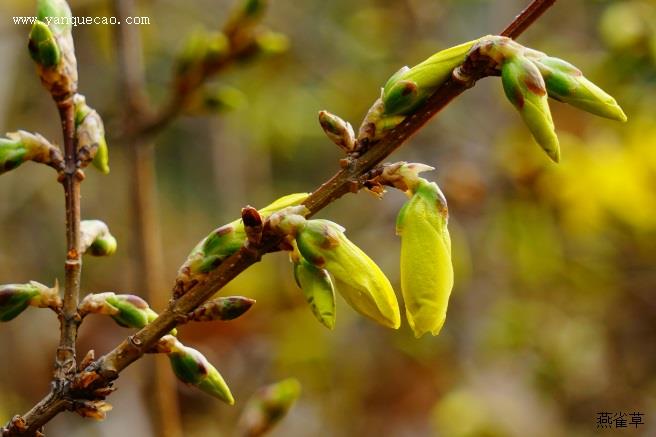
(268, 406)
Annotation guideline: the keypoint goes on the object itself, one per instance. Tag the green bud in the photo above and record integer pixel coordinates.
(22, 146)
(410, 87)
(15, 298)
(426, 269)
(201, 47)
(339, 131)
(268, 406)
(357, 278)
(318, 289)
(192, 368)
(43, 46)
(57, 11)
(223, 242)
(130, 311)
(91, 136)
(51, 46)
(223, 308)
(567, 84)
(223, 99)
(272, 43)
(96, 239)
(526, 90)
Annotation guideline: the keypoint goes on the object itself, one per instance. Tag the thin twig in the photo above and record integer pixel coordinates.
(348, 179)
(147, 235)
(71, 178)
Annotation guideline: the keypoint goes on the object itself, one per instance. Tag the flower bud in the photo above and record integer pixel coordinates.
(426, 269)
(526, 90)
(192, 368)
(92, 146)
(22, 146)
(95, 238)
(271, 43)
(318, 289)
(43, 46)
(410, 87)
(130, 311)
(268, 406)
(51, 47)
(221, 243)
(339, 131)
(223, 309)
(567, 84)
(127, 310)
(357, 278)
(15, 298)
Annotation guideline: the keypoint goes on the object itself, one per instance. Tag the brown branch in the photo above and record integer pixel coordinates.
(71, 178)
(527, 17)
(147, 238)
(350, 178)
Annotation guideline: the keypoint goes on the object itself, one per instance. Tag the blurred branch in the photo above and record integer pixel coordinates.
(353, 175)
(149, 261)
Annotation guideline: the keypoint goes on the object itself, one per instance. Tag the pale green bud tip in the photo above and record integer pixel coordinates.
(95, 238)
(339, 131)
(191, 367)
(43, 46)
(101, 159)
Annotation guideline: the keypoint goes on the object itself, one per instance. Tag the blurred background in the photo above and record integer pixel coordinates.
(553, 315)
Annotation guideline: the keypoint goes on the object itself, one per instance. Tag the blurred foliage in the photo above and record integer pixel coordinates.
(552, 316)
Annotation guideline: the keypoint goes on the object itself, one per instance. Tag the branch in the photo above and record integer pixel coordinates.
(71, 178)
(351, 178)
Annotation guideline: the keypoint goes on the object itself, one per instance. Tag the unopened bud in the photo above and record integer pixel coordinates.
(43, 46)
(22, 146)
(357, 278)
(426, 269)
(526, 90)
(15, 298)
(318, 289)
(339, 131)
(410, 87)
(92, 146)
(221, 243)
(192, 368)
(268, 406)
(567, 84)
(95, 238)
(223, 309)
